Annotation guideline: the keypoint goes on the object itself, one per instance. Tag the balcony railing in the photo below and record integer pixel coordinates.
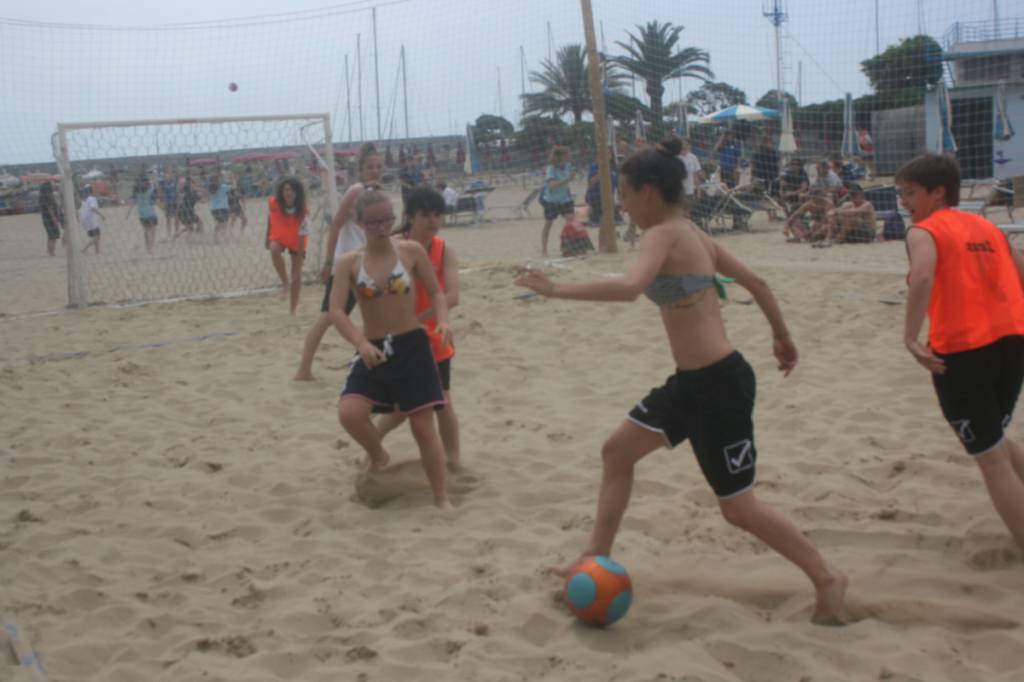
(975, 31)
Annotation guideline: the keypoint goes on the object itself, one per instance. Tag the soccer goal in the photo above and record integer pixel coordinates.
(182, 203)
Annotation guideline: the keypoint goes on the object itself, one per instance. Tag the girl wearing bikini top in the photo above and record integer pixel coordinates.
(394, 368)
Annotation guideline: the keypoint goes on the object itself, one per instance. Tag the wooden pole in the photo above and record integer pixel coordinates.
(606, 239)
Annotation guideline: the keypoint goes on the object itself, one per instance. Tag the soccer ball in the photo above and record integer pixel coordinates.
(232, 87)
(598, 591)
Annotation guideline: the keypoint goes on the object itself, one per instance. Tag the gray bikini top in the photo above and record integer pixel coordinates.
(666, 289)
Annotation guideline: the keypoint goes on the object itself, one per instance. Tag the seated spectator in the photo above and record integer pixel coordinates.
(728, 159)
(794, 184)
(813, 220)
(828, 181)
(765, 170)
(855, 221)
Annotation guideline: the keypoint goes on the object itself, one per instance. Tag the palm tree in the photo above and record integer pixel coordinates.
(566, 85)
(650, 57)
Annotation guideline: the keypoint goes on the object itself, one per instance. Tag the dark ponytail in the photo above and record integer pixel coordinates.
(660, 167)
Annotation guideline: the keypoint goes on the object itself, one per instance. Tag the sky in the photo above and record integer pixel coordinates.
(89, 60)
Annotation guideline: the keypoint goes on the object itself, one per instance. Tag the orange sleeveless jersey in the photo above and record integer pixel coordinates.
(977, 298)
(436, 254)
(284, 228)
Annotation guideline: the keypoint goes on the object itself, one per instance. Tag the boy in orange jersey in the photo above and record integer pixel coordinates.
(970, 282)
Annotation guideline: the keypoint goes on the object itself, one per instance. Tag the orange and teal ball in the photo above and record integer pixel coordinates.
(598, 591)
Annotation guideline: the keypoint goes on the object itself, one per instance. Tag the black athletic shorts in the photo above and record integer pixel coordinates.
(552, 211)
(409, 380)
(444, 368)
(93, 233)
(52, 228)
(148, 222)
(979, 390)
(221, 215)
(326, 304)
(712, 406)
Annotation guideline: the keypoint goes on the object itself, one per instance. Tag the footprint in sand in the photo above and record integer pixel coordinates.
(994, 559)
(406, 478)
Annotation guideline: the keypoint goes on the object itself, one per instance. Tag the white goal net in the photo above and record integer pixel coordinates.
(183, 204)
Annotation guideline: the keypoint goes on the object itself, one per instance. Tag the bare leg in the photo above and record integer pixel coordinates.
(1017, 457)
(278, 260)
(627, 445)
(431, 455)
(775, 530)
(97, 243)
(354, 415)
(544, 238)
(296, 282)
(389, 422)
(51, 246)
(150, 238)
(1005, 487)
(313, 338)
(448, 426)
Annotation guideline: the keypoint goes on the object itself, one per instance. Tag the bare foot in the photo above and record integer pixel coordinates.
(283, 296)
(565, 569)
(455, 465)
(379, 464)
(444, 505)
(829, 601)
(308, 376)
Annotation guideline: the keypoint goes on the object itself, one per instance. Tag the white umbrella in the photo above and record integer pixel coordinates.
(944, 141)
(93, 174)
(639, 132)
(1004, 128)
(8, 180)
(787, 142)
(851, 146)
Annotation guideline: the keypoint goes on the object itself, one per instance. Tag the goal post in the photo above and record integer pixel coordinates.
(176, 170)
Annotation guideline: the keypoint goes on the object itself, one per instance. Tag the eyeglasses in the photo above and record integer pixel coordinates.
(383, 222)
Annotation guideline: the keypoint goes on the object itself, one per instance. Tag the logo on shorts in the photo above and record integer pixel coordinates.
(1006, 421)
(963, 430)
(739, 456)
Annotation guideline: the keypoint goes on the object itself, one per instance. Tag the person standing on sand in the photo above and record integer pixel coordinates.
(286, 231)
(345, 236)
(710, 398)
(53, 217)
(394, 367)
(425, 218)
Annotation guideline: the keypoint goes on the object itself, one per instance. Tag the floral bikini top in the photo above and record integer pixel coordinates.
(398, 282)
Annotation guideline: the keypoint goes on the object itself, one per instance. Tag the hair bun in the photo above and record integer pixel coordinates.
(671, 146)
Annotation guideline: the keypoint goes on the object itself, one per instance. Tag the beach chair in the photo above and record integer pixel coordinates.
(718, 207)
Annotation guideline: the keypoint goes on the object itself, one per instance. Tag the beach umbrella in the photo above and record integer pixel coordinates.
(740, 112)
(8, 180)
(1003, 129)
(851, 145)
(787, 142)
(93, 174)
(944, 142)
(639, 129)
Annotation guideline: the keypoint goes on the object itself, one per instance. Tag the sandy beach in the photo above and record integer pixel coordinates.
(174, 507)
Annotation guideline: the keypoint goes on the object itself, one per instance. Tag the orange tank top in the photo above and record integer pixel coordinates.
(977, 297)
(286, 228)
(436, 253)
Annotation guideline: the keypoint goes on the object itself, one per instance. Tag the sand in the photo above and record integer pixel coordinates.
(174, 507)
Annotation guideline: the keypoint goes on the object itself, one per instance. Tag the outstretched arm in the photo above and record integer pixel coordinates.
(625, 288)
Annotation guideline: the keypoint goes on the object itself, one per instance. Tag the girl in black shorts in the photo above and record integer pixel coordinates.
(709, 399)
(394, 368)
